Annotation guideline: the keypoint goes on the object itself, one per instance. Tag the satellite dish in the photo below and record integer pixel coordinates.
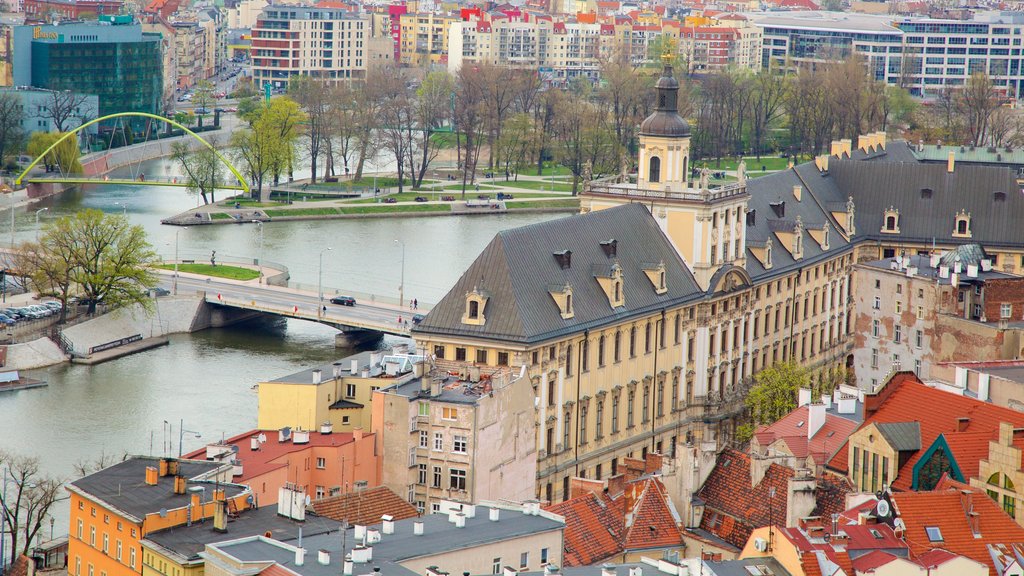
(883, 508)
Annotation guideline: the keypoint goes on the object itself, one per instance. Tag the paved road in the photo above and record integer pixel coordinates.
(294, 304)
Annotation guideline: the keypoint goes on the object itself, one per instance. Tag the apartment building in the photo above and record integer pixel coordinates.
(717, 47)
(439, 436)
(423, 39)
(922, 54)
(329, 44)
(912, 312)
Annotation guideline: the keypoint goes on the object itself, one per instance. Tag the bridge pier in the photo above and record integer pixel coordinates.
(354, 338)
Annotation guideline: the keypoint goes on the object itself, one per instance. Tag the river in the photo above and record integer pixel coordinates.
(207, 378)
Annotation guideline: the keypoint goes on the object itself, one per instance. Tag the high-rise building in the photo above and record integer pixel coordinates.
(329, 44)
(113, 59)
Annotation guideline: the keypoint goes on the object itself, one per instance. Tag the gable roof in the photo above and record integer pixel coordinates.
(901, 435)
(365, 507)
(599, 526)
(945, 509)
(792, 429)
(900, 400)
(517, 268)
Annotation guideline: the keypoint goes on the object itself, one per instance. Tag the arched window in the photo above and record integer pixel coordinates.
(568, 303)
(890, 223)
(661, 279)
(825, 238)
(654, 170)
(961, 226)
(768, 256)
(618, 291)
(474, 309)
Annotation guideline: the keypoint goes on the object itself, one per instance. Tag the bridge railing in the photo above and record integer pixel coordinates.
(330, 292)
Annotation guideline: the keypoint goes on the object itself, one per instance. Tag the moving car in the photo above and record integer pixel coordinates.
(343, 301)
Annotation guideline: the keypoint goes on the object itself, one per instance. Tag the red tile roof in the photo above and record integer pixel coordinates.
(872, 560)
(734, 507)
(365, 507)
(594, 528)
(599, 526)
(872, 537)
(936, 557)
(945, 509)
(901, 400)
(268, 457)
(792, 429)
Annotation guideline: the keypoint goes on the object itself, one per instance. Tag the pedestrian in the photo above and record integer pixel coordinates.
(213, 258)
(399, 320)
(415, 304)
(325, 309)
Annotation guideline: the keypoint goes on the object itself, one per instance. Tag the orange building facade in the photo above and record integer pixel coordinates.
(113, 509)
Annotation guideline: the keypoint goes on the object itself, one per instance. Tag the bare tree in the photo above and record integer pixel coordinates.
(766, 106)
(432, 109)
(11, 116)
(314, 97)
(64, 106)
(978, 100)
(397, 119)
(26, 500)
(470, 122)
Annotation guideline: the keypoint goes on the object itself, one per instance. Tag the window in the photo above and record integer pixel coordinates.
(350, 391)
(459, 445)
(647, 338)
(424, 409)
(584, 355)
(934, 534)
(920, 312)
(918, 338)
(424, 439)
(449, 413)
(632, 342)
(131, 557)
(81, 528)
(457, 479)
(617, 347)
(496, 566)
(106, 543)
(543, 556)
(437, 477)
(899, 307)
(524, 559)
(654, 170)
(460, 354)
(1006, 310)
(897, 333)
(644, 416)
(481, 356)
(320, 492)
(567, 430)
(439, 351)
(78, 566)
(599, 423)
(631, 401)
(615, 414)
(551, 393)
(600, 351)
(502, 358)
(874, 327)
(660, 400)
(92, 536)
(438, 441)
(421, 474)
(321, 463)
(874, 357)
(117, 550)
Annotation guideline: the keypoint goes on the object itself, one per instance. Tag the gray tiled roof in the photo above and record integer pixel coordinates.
(875, 186)
(902, 436)
(517, 268)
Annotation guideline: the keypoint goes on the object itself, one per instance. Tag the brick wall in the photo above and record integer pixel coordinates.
(1004, 291)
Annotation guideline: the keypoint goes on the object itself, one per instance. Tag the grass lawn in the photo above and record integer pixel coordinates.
(771, 162)
(443, 139)
(403, 197)
(222, 271)
(535, 185)
(565, 203)
(248, 202)
(469, 187)
(389, 208)
(220, 216)
(302, 212)
(364, 182)
(550, 169)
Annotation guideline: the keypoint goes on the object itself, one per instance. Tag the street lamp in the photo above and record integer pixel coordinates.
(401, 284)
(176, 258)
(41, 210)
(259, 261)
(320, 282)
(181, 434)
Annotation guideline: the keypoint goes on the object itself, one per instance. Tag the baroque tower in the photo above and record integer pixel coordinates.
(706, 224)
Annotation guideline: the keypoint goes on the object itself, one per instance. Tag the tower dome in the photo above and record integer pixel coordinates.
(666, 121)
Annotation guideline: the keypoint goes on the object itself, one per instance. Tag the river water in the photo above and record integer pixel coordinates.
(206, 378)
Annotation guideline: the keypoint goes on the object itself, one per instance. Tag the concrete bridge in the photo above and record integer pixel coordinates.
(367, 321)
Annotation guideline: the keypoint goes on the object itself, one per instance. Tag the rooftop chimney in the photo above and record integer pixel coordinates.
(336, 369)
(179, 484)
(301, 437)
(317, 375)
(254, 443)
(417, 528)
(326, 428)
(362, 554)
(357, 433)
(962, 423)
(354, 367)
(300, 556)
(220, 516)
(815, 419)
(803, 397)
(950, 162)
(152, 475)
(388, 526)
(460, 520)
(323, 557)
(493, 514)
(607, 570)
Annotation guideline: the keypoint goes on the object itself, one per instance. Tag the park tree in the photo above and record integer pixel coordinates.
(432, 110)
(203, 169)
(66, 110)
(11, 116)
(515, 144)
(470, 122)
(314, 97)
(26, 501)
(267, 146)
(766, 106)
(977, 101)
(98, 256)
(203, 96)
(63, 158)
(773, 395)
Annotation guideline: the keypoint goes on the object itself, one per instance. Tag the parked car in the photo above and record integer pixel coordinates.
(7, 320)
(15, 313)
(53, 305)
(201, 111)
(35, 313)
(417, 318)
(43, 310)
(343, 301)
(421, 198)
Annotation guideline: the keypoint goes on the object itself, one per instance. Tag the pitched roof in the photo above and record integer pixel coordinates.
(900, 401)
(734, 507)
(901, 435)
(365, 507)
(792, 429)
(872, 560)
(599, 526)
(594, 528)
(518, 266)
(945, 510)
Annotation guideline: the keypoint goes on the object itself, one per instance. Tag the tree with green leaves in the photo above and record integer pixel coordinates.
(97, 256)
(63, 158)
(202, 95)
(203, 169)
(267, 146)
(773, 396)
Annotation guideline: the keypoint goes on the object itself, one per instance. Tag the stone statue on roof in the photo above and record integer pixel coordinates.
(588, 172)
(705, 177)
(741, 172)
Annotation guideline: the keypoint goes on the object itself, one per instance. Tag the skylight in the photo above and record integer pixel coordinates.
(934, 534)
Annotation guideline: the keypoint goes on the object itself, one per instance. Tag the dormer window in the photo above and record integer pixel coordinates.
(962, 228)
(476, 304)
(656, 274)
(610, 280)
(891, 221)
(562, 295)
